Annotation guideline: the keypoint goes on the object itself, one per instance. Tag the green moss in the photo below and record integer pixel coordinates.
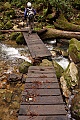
(2, 37)
(23, 68)
(10, 13)
(14, 35)
(63, 24)
(7, 5)
(59, 70)
(8, 25)
(20, 39)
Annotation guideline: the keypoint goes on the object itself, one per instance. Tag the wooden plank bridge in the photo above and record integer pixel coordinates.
(41, 98)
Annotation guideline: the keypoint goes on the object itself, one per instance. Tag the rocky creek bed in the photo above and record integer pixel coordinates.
(14, 63)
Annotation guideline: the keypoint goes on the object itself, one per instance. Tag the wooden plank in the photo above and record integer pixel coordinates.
(42, 68)
(36, 50)
(41, 75)
(41, 100)
(41, 92)
(43, 80)
(38, 84)
(42, 110)
(57, 117)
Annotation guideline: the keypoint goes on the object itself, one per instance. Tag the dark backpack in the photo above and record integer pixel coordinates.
(30, 13)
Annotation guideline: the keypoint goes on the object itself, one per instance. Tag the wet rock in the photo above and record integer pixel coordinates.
(59, 70)
(71, 76)
(14, 77)
(23, 68)
(75, 106)
(74, 50)
(8, 25)
(46, 62)
(20, 39)
(14, 35)
(64, 87)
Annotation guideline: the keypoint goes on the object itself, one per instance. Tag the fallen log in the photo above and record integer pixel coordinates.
(54, 33)
(50, 33)
(18, 30)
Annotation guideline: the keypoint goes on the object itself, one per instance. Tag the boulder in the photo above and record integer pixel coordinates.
(75, 106)
(74, 50)
(46, 62)
(59, 70)
(20, 39)
(23, 68)
(71, 76)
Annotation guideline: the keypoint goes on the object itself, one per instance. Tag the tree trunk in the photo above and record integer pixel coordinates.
(54, 33)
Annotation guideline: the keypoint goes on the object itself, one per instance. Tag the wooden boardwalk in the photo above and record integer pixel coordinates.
(36, 47)
(41, 98)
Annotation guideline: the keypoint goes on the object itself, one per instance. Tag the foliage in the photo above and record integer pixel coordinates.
(63, 6)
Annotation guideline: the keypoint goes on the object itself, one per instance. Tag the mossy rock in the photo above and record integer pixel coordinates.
(71, 76)
(20, 39)
(74, 50)
(46, 62)
(59, 70)
(2, 37)
(1, 25)
(10, 13)
(14, 35)
(63, 24)
(22, 8)
(76, 43)
(75, 106)
(8, 25)
(7, 5)
(23, 68)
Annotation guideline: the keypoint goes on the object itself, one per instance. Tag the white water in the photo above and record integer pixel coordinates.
(63, 62)
(8, 52)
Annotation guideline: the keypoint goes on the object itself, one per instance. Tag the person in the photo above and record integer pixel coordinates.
(29, 14)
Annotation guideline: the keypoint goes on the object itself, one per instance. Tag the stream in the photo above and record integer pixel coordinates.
(14, 55)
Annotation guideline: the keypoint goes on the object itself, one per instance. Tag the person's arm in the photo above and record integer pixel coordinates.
(25, 13)
(34, 11)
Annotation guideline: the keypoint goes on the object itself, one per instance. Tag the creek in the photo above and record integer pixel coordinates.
(13, 55)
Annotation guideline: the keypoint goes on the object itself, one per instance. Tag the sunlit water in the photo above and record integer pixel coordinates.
(63, 62)
(11, 53)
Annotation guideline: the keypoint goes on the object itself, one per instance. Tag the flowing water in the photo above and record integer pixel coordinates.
(14, 54)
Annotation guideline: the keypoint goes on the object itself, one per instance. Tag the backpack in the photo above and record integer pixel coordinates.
(30, 13)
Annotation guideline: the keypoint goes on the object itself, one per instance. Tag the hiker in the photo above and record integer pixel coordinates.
(29, 14)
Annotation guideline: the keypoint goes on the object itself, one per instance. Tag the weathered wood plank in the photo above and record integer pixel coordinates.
(42, 68)
(40, 92)
(41, 100)
(38, 84)
(42, 110)
(57, 117)
(41, 75)
(43, 80)
(36, 50)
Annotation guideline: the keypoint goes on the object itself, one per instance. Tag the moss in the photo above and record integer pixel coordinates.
(1, 25)
(14, 35)
(59, 70)
(76, 43)
(7, 5)
(2, 37)
(22, 8)
(10, 13)
(23, 68)
(63, 24)
(75, 106)
(8, 25)
(20, 39)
